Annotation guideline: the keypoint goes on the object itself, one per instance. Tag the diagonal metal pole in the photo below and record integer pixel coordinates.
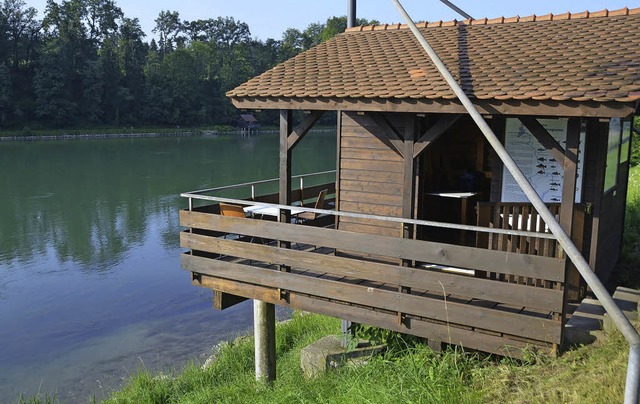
(623, 324)
(457, 9)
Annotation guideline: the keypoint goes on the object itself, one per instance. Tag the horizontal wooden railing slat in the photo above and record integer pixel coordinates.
(439, 332)
(422, 279)
(456, 313)
(442, 254)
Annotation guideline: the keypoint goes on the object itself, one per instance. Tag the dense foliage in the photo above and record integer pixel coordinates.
(85, 63)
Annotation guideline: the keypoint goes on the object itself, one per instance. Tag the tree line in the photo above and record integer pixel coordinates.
(86, 64)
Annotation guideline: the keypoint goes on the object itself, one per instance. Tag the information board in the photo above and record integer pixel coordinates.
(536, 163)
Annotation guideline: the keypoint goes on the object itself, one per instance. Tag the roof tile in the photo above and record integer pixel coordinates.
(588, 56)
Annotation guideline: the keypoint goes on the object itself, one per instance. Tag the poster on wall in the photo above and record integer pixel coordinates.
(536, 163)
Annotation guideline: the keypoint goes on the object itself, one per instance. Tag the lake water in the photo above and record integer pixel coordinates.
(91, 288)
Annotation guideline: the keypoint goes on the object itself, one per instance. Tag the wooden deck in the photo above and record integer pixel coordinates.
(417, 287)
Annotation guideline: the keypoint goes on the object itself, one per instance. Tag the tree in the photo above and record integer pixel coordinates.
(292, 43)
(19, 43)
(132, 56)
(53, 103)
(168, 26)
(227, 32)
(5, 85)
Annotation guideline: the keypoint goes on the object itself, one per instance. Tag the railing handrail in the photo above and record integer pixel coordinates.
(259, 182)
(398, 220)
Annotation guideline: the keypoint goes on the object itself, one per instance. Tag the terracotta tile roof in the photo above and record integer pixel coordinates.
(580, 57)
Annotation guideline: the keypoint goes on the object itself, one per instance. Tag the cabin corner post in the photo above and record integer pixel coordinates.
(408, 187)
(284, 188)
(567, 207)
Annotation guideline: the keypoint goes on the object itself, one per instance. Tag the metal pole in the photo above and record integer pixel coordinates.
(457, 9)
(264, 320)
(351, 13)
(623, 324)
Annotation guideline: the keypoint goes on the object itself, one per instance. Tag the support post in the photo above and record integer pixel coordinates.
(569, 181)
(264, 318)
(410, 128)
(264, 324)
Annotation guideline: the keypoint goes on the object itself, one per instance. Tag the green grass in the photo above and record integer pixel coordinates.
(593, 374)
(414, 375)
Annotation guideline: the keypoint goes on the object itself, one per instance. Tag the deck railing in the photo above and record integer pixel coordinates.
(426, 288)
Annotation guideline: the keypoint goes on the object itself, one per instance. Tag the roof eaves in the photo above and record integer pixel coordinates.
(504, 20)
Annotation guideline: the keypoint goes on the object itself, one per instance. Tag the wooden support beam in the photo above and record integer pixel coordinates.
(567, 208)
(286, 118)
(302, 129)
(570, 172)
(410, 129)
(434, 132)
(545, 139)
(286, 124)
(393, 139)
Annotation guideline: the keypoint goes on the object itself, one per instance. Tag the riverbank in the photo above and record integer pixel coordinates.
(142, 133)
(594, 373)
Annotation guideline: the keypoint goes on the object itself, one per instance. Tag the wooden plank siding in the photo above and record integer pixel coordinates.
(487, 314)
(371, 175)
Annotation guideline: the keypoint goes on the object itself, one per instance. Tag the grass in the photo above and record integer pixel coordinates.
(592, 374)
(415, 375)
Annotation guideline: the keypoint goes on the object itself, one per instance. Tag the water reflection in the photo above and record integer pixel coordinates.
(90, 278)
(90, 200)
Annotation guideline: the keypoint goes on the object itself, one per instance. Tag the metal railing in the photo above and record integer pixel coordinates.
(200, 195)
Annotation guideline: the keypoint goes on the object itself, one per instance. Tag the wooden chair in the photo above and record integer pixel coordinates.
(227, 209)
(306, 216)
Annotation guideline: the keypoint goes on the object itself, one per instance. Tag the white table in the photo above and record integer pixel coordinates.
(264, 210)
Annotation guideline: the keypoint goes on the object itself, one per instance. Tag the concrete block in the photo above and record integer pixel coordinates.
(327, 353)
(609, 326)
(585, 325)
(627, 300)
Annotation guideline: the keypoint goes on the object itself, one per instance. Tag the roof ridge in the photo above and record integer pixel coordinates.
(503, 20)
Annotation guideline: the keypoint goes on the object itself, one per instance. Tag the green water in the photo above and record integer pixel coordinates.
(90, 283)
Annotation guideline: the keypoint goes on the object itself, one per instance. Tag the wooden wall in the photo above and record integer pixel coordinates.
(370, 174)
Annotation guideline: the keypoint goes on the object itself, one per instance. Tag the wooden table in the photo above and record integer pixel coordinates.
(464, 201)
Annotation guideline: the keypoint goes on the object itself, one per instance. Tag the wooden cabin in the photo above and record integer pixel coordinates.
(247, 121)
(427, 234)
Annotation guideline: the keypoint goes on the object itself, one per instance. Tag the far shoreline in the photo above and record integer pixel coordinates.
(125, 135)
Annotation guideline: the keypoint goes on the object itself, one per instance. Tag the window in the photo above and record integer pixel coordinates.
(613, 154)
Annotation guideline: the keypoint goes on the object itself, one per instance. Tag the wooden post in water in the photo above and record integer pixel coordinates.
(264, 324)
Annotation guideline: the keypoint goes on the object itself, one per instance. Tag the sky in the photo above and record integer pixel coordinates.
(269, 19)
